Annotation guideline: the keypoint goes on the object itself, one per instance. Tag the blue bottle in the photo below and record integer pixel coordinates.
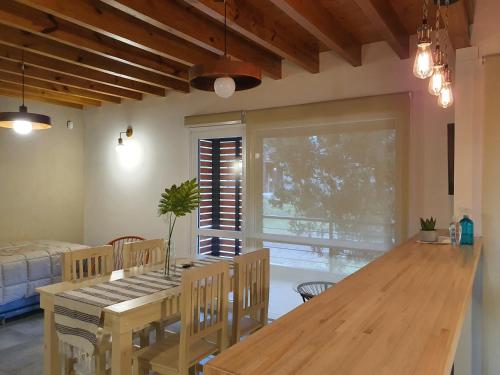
(467, 228)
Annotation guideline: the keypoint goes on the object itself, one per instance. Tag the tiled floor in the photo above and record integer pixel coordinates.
(21, 343)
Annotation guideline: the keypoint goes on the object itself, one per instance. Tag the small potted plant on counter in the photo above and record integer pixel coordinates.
(428, 231)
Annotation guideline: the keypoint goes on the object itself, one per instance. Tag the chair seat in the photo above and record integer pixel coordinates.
(248, 325)
(164, 355)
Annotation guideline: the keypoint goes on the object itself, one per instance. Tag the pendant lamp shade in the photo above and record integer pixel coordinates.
(225, 76)
(245, 75)
(38, 122)
(24, 122)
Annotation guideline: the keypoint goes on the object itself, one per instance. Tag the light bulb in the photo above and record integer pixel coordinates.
(22, 127)
(445, 99)
(224, 87)
(436, 82)
(423, 65)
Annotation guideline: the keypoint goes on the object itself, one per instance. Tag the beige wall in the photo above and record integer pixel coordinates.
(491, 217)
(477, 160)
(119, 201)
(41, 177)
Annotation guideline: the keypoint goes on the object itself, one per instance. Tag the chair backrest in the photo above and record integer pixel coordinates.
(117, 244)
(204, 298)
(142, 253)
(251, 287)
(87, 263)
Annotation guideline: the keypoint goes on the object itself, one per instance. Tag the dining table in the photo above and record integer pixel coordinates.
(119, 319)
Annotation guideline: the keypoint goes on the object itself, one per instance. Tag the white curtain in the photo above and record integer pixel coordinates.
(330, 175)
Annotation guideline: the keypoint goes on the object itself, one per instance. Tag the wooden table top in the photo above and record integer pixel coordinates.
(401, 314)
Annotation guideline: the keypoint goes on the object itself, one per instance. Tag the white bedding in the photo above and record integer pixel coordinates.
(26, 265)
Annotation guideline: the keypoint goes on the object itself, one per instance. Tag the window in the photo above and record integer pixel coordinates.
(327, 186)
(220, 176)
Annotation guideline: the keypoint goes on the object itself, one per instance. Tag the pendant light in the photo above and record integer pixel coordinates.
(23, 122)
(446, 99)
(423, 65)
(225, 76)
(437, 79)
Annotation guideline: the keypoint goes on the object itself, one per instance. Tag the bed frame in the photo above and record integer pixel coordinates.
(19, 307)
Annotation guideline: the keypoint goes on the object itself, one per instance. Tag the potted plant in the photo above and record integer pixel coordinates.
(175, 202)
(428, 231)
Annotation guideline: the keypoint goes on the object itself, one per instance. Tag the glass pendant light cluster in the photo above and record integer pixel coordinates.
(434, 64)
(225, 76)
(23, 122)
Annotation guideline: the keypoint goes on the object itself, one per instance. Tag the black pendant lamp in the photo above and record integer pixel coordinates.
(225, 76)
(23, 122)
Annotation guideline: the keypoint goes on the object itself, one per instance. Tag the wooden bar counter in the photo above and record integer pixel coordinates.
(400, 315)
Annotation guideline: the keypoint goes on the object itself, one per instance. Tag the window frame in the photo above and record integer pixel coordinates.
(211, 132)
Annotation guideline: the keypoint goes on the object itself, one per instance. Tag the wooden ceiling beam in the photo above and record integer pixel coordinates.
(13, 53)
(13, 66)
(107, 20)
(185, 22)
(458, 27)
(16, 77)
(389, 26)
(57, 50)
(29, 19)
(318, 21)
(50, 94)
(247, 18)
(39, 98)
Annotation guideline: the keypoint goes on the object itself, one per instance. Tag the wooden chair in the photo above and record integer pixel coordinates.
(117, 244)
(87, 263)
(251, 293)
(82, 265)
(142, 253)
(204, 298)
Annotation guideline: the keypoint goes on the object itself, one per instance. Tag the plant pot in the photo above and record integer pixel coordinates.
(428, 235)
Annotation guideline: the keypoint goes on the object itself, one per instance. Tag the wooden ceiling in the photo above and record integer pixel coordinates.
(85, 52)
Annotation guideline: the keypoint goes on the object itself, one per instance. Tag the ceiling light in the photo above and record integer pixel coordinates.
(422, 67)
(225, 76)
(445, 99)
(23, 122)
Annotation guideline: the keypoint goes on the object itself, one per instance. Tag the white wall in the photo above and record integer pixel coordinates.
(477, 154)
(122, 201)
(41, 177)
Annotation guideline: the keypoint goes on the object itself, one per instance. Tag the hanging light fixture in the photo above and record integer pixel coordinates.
(423, 65)
(437, 79)
(23, 122)
(446, 99)
(225, 76)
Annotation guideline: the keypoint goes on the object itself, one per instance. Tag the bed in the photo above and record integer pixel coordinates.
(24, 266)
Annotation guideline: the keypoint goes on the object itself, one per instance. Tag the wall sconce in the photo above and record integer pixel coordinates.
(129, 151)
(120, 146)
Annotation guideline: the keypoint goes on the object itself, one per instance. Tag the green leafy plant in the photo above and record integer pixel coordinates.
(175, 202)
(428, 224)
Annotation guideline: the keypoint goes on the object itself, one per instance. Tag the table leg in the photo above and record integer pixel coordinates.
(51, 363)
(121, 352)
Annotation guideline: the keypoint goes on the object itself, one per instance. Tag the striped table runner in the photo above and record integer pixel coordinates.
(78, 313)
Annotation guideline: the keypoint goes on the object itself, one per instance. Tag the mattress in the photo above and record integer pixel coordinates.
(27, 265)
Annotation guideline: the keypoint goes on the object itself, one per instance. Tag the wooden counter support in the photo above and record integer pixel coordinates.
(401, 314)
